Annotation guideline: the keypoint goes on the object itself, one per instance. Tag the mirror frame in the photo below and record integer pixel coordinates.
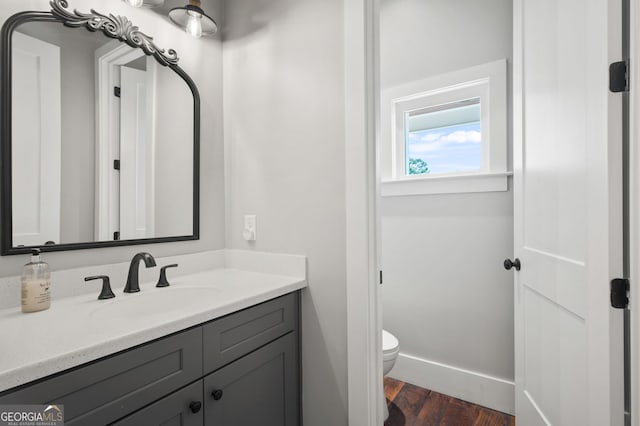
(115, 27)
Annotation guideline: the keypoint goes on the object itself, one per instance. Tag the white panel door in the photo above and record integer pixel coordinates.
(136, 156)
(564, 215)
(36, 139)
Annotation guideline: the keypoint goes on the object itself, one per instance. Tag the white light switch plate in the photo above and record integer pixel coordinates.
(249, 231)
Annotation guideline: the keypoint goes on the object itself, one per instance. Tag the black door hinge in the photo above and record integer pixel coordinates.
(380, 277)
(116, 91)
(116, 236)
(620, 293)
(618, 77)
(116, 164)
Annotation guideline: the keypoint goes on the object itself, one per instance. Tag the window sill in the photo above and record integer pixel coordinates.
(450, 184)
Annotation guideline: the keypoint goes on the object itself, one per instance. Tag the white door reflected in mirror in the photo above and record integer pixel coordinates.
(136, 149)
(37, 140)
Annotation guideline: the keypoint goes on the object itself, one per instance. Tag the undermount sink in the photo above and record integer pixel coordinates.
(157, 301)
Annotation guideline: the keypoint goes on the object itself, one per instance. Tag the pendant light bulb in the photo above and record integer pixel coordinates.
(135, 3)
(194, 24)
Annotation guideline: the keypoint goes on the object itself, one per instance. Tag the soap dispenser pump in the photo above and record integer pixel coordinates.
(36, 281)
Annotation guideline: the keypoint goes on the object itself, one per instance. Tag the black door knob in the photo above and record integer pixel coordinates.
(508, 264)
(195, 406)
(217, 394)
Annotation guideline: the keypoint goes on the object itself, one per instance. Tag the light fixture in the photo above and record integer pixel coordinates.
(193, 20)
(145, 3)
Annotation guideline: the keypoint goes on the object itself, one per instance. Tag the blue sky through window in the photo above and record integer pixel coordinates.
(451, 149)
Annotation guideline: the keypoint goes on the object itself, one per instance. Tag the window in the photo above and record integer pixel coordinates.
(446, 134)
(444, 139)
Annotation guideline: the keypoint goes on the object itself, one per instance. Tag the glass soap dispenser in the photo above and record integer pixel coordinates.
(36, 280)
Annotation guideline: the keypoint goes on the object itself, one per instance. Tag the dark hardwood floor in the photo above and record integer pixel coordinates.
(411, 405)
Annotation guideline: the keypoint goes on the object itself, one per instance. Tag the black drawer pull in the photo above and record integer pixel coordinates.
(508, 264)
(217, 394)
(195, 406)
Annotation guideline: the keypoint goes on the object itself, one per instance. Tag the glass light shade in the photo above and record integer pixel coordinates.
(194, 24)
(193, 20)
(144, 3)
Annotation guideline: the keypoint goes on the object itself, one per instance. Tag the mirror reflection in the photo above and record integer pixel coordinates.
(102, 140)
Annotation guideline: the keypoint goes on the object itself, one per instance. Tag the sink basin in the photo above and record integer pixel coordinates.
(158, 301)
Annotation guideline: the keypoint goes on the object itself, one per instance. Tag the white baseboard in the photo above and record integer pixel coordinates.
(478, 388)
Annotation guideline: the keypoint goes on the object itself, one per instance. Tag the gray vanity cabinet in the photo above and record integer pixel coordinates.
(258, 389)
(241, 369)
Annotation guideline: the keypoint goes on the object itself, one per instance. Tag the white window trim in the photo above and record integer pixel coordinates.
(486, 81)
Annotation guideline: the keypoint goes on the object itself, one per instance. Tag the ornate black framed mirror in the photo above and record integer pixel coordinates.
(100, 135)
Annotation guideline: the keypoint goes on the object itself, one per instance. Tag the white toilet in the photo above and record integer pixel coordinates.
(390, 349)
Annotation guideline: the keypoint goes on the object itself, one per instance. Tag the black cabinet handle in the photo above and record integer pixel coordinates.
(217, 394)
(508, 264)
(195, 406)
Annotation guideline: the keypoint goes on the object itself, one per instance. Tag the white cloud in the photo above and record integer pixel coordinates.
(431, 137)
(423, 148)
(435, 144)
(463, 136)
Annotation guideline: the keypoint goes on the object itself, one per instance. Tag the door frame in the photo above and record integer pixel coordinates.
(634, 204)
(364, 320)
(361, 72)
(108, 59)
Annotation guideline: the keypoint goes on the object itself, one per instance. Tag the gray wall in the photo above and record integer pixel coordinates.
(173, 161)
(284, 134)
(78, 154)
(446, 296)
(202, 59)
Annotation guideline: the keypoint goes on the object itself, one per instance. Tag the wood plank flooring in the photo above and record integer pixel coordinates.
(411, 405)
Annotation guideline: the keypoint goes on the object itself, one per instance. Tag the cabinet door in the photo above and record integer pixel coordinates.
(182, 408)
(258, 389)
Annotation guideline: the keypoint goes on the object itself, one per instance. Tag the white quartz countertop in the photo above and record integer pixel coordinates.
(79, 329)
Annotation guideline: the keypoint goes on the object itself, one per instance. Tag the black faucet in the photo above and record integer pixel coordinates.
(133, 284)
